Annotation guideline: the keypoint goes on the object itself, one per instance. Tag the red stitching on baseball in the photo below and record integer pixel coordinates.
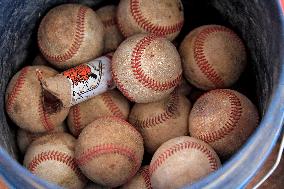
(102, 149)
(120, 27)
(44, 117)
(145, 174)
(200, 58)
(170, 111)
(179, 147)
(78, 39)
(17, 88)
(111, 105)
(232, 122)
(147, 25)
(109, 22)
(120, 86)
(138, 72)
(55, 156)
(76, 120)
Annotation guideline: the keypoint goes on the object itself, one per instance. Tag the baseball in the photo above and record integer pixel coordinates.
(113, 36)
(25, 138)
(160, 121)
(92, 185)
(146, 68)
(111, 103)
(224, 119)
(109, 151)
(51, 157)
(24, 101)
(140, 181)
(70, 34)
(213, 57)
(158, 17)
(182, 161)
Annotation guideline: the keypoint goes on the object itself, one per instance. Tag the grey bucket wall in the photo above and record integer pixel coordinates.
(259, 23)
(261, 29)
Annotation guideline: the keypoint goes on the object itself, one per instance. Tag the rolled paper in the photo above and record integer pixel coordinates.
(82, 82)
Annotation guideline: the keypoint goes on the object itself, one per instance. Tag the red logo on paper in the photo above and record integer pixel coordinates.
(79, 74)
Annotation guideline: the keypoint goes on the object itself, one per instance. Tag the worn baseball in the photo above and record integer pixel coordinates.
(159, 17)
(70, 34)
(140, 181)
(24, 101)
(162, 120)
(51, 157)
(92, 185)
(213, 57)
(182, 161)
(111, 103)
(224, 119)
(25, 138)
(146, 68)
(113, 36)
(109, 151)
(276, 180)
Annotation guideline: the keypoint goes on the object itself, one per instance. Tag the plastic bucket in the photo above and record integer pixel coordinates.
(259, 23)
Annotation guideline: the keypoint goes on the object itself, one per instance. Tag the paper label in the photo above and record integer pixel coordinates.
(90, 79)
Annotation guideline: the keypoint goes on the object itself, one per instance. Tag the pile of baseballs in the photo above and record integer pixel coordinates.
(146, 133)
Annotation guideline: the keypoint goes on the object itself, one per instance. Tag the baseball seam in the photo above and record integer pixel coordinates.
(138, 72)
(55, 156)
(77, 42)
(120, 86)
(145, 174)
(102, 149)
(76, 119)
(199, 56)
(111, 105)
(180, 147)
(16, 89)
(170, 111)
(120, 27)
(110, 22)
(232, 122)
(44, 117)
(146, 24)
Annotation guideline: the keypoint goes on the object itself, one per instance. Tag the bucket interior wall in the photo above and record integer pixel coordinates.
(254, 21)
